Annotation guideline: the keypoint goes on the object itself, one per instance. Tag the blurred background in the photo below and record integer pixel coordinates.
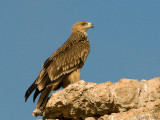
(124, 44)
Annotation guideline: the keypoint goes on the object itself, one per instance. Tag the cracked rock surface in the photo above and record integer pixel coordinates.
(127, 99)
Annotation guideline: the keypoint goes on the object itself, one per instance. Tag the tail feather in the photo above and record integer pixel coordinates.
(30, 90)
(36, 94)
(46, 91)
(44, 97)
(41, 85)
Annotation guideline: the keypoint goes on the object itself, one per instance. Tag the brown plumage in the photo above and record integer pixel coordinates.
(63, 66)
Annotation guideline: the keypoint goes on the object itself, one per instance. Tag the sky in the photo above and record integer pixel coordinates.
(124, 44)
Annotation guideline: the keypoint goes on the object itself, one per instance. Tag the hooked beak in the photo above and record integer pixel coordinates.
(92, 26)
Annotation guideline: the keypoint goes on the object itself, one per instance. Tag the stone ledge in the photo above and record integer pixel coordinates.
(127, 99)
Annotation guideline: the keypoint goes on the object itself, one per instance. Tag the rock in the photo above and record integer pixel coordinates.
(127, 99)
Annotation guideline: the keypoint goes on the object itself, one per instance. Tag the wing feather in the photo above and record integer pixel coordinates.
(70, 57)
(65, 60)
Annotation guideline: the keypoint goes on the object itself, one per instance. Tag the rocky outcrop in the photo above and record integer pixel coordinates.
(127, 99)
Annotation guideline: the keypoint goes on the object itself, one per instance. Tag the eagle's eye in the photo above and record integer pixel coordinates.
(83, 24)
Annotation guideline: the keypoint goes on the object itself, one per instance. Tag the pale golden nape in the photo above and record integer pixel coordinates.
(82, 26)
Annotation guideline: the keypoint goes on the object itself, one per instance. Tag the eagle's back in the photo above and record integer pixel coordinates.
(69, 57)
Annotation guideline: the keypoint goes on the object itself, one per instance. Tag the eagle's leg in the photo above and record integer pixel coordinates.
(73, 77)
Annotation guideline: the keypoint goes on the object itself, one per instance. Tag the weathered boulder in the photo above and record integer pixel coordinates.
(127, 99)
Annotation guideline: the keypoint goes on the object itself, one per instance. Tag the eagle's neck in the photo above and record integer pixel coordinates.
(85, 33)
(82, 33)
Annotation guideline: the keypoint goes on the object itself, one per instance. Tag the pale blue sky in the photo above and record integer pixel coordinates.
(124, 44)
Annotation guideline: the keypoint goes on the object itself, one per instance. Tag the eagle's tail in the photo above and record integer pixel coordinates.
(36, 94)
(54, 85)
(30, 90)
(44, 97)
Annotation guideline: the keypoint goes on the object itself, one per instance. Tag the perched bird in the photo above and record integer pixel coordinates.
(63, 66)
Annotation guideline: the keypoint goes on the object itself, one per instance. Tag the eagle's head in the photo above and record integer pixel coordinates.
(82, 26)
